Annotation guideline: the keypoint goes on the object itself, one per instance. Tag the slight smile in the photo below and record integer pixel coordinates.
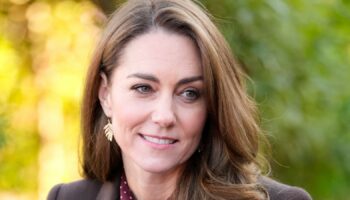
(158, 140)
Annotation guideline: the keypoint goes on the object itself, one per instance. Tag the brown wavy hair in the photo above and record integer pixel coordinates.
(226, 167)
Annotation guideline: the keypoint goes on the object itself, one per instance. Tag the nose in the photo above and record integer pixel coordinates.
(164, 113)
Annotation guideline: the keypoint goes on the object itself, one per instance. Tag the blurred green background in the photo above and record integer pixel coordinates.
(296, 52)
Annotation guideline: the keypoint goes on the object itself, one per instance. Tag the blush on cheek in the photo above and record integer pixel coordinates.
(129, 109)
(195, 120)
(128, 115)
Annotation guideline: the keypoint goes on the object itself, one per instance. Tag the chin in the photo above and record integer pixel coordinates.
(160, 167)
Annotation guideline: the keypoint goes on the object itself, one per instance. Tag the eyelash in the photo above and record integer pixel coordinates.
(145, 89)
(139, 88)
(194, 92)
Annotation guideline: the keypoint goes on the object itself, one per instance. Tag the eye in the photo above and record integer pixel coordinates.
(142, 88)
(190, 94)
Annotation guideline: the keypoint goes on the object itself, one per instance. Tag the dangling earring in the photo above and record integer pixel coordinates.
(108, 130)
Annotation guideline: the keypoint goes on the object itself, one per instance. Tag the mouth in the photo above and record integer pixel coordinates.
(158, 140)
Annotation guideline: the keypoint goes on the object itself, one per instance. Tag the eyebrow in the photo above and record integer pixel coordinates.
(148, 77)
(189, 80)
(152, 78)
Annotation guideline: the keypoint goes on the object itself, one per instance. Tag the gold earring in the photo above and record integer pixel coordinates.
(108, 131)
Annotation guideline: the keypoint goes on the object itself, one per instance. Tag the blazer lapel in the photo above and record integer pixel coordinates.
(109, 191)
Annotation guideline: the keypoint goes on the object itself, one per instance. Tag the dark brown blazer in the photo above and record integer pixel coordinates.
(91, 190)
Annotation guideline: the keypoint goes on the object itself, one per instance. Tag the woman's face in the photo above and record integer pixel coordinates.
(155, 101)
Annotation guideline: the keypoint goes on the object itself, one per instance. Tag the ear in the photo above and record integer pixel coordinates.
(105, 96)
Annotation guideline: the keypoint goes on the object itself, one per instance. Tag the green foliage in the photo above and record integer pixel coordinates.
(297, 53)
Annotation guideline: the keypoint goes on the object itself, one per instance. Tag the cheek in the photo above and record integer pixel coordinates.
(193, 121)
(127, 114)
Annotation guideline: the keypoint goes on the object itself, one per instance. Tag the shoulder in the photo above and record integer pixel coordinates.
(280, 191)
(82, 189)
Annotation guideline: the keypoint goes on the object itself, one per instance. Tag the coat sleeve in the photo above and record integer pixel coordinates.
(53, 194)
(292, 193)
(280, 191)
(82, 189)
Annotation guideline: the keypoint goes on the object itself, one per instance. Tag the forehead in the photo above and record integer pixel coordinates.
(161, 49)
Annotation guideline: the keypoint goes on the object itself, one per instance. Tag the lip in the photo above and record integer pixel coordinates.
(158, 142)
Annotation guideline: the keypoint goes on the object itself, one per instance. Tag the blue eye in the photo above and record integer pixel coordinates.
(143, 89)
(191, 94)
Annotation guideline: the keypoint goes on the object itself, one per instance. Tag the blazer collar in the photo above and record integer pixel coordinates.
(109, 190)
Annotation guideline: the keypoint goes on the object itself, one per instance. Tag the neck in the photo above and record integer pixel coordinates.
(151, 186)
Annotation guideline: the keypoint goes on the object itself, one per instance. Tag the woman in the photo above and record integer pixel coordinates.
(165, 114)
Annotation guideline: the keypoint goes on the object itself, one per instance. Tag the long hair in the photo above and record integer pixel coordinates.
(226, 167)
